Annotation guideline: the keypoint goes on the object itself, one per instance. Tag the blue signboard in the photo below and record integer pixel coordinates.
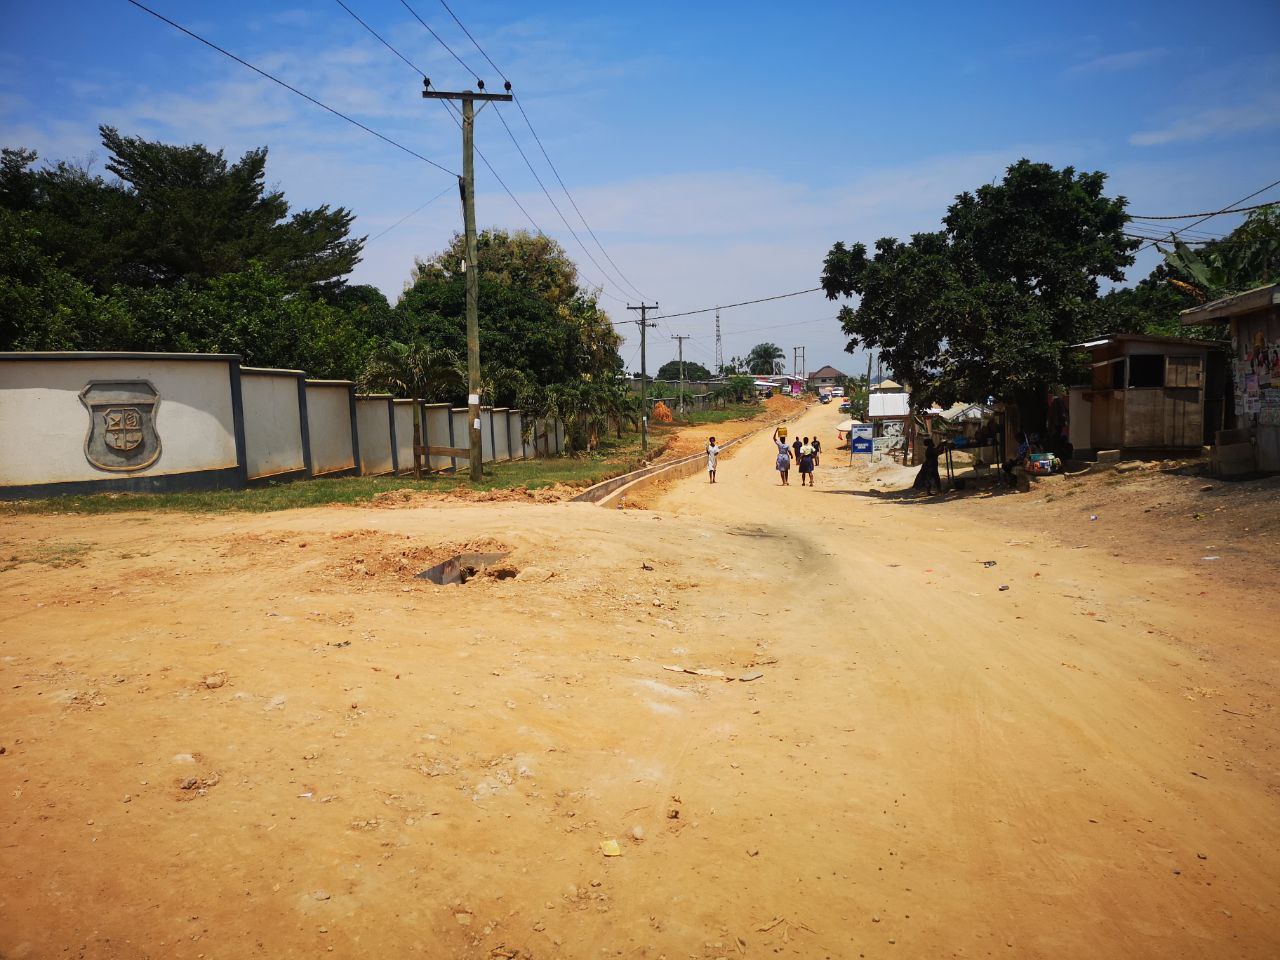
(860, 438)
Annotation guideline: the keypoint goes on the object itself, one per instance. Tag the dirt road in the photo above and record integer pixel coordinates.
(260, 736)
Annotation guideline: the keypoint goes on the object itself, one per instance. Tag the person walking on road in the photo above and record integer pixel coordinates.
(783, 463)
(806, 462)
(817, 451)
(796, 444)
(713, 454)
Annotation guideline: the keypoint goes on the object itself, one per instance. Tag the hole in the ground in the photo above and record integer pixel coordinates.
(464, 566)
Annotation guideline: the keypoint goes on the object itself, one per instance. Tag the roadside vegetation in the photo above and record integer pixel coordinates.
(612, 456)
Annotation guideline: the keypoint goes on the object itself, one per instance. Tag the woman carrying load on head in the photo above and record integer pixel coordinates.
(783, 462)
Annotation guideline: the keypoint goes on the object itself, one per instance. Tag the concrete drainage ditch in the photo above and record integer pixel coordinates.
(465, 566)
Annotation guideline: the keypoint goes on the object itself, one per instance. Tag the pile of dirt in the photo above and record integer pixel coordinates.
(409, 497)
(372, 555)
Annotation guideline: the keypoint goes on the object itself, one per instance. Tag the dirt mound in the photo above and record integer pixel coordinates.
(409, 497)
(368, 555)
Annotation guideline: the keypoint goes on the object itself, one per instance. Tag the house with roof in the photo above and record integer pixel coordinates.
(1249, 439)
(1149, 393)
(828, 377)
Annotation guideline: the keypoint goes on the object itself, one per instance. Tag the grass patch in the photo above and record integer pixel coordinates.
(614, 456)
(734, 411)
(46, 554)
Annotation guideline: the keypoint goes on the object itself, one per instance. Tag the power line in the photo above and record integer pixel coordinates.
(306, 96)
(546, 156)
(1207, 216)
(454, 115)
(547, 194)
(440, 40)
(1217, 213)
(475, 42)
(407, 216)
(744, 303)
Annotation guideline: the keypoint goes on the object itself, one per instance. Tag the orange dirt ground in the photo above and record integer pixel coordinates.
(257, 735)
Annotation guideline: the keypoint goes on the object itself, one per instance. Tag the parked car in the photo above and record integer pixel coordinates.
(846, 405)
(824, 398)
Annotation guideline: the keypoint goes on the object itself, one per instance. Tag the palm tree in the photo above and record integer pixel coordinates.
(765, 358)
(415, 370)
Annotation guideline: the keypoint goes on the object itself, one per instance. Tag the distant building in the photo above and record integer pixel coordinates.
(828, 376)
(888, 386)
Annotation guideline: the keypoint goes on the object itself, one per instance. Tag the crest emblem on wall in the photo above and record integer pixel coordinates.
(122, 433)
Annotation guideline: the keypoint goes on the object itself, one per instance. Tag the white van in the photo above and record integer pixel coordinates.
(837, 391)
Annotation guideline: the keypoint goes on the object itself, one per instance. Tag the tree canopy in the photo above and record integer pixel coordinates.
(179, 248)
(987, 305)
(174, 214)
(692, 371)
(765, 358)
(538, 325)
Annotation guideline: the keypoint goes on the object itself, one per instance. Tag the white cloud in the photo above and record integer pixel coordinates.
(1261, 114)
(1117, 62)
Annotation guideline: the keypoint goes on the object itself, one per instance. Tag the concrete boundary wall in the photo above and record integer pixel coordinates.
(115, 421)
(403, 421)
(275, 447)
(515, 434)
(501, 439)
(376, 430)
(331, 428)
(74, 423)
(436, 433)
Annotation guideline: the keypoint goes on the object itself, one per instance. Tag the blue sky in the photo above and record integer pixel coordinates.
(717, 149)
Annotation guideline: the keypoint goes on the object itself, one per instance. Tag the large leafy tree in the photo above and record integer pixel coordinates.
(692, 371)
(538, 326)
(175, 214)
(765, 358)
(988, 305)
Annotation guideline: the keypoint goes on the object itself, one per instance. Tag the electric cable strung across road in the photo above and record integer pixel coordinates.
(743, 303)
(1217, 213)
(454, 115)
(1208, 216)
(291, 89)
(412, 213)
(440, 40)
(546, 156)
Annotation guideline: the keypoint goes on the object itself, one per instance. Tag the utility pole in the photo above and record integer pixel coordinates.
(868, 420)
(467, 186)
(719, 348)
(644, 309)
(680, 348)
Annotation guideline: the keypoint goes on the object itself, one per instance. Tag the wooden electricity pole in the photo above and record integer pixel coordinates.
(680, 347)
(644, 309)
(467, 186)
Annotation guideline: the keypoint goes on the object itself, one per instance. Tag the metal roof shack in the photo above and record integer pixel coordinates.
(1250, 439)
(1153, 393)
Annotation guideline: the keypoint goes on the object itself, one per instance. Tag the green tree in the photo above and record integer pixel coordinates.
(988, 305)
(692, 371)
(538, 327)
(175, 214)
(765, 358)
